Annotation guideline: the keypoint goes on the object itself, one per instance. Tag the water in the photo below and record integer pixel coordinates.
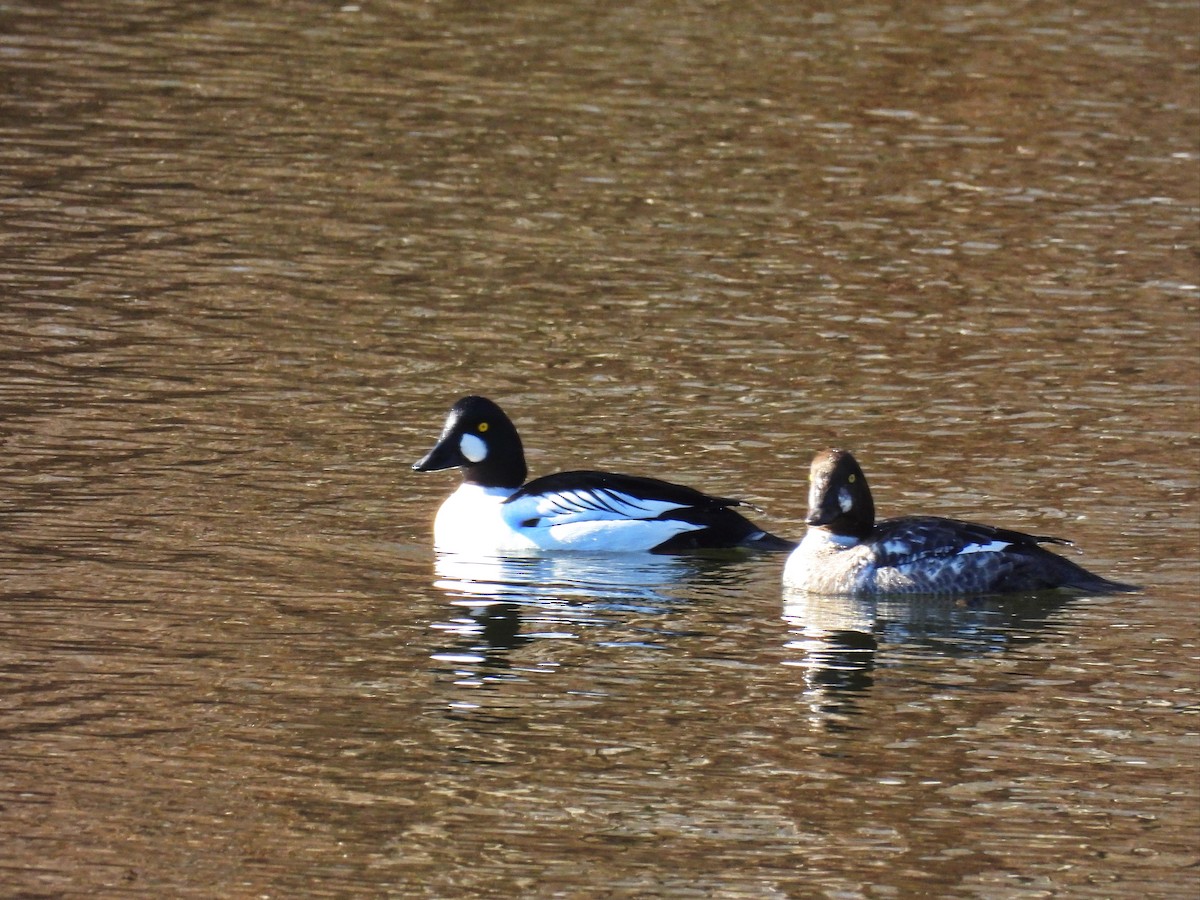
(251, 256)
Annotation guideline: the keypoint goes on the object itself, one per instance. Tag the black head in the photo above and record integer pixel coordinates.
(839, 498)
(482, 441)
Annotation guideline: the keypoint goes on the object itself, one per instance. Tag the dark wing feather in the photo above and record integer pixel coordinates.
(932, 554)
(599, 488)
(905, 539)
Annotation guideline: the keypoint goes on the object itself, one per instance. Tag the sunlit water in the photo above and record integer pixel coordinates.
(251, 256)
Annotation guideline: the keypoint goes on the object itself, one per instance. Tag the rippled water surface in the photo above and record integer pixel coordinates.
(252, 253)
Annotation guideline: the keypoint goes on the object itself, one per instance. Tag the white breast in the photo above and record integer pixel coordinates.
(825, 563)
(471, 521)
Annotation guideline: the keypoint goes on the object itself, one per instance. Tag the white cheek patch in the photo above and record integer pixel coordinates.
(990, 547)
(845, 499)
(473, 448)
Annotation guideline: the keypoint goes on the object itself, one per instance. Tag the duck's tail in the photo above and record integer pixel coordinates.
(1070, 574)
(766, 542)
(1095, 584)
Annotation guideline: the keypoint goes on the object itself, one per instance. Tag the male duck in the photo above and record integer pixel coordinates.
(495, 512)
(846, 551)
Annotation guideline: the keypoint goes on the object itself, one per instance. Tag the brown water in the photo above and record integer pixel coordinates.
(252, 253)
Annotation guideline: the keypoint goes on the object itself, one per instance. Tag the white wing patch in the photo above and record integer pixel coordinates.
(594, 519)
(989, 547)
(584, 505)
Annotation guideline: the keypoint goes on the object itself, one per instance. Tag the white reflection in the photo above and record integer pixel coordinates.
(608, 578)
(835, 646)
(508, 602)
(838, 641)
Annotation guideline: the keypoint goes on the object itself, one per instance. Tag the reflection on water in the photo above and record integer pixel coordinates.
(503, 603)
(835, 649)
(840, 639)
(613, 580)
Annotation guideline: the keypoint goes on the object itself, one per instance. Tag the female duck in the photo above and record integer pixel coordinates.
(495, 512)
(845, 551)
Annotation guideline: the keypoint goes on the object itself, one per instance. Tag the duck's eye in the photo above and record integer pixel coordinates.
(852, 479)
(483, 426)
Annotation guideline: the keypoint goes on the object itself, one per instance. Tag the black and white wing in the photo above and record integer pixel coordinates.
(928, 553)
(607, 511)
(570, 497)
(910, 539)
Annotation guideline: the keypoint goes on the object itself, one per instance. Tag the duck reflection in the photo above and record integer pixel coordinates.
(608, 579)
(509, 602)
(838, 641)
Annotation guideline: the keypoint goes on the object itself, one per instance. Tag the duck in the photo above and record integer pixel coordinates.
(495, 511)
(845, 551)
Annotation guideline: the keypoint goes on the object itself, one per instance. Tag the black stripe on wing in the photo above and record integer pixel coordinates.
(601, 486)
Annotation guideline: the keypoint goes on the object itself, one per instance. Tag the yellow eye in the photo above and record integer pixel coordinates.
(483, 426)
(852, 479)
